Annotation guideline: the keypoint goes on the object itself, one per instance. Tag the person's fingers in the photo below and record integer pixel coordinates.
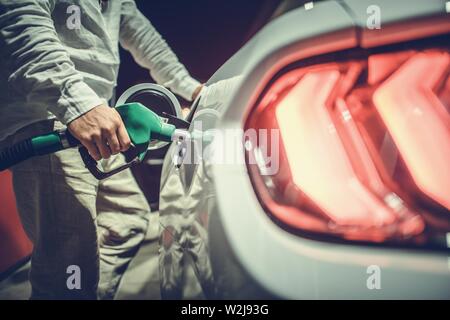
(185, 112)
(93, 150)
(114, 144)
(197, 92)
(103, 148)
(123, 137)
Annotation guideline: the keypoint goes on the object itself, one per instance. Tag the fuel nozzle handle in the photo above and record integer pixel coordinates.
(141, 123)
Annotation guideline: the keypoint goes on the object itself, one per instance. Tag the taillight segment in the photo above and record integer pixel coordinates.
(364, 150)
(418, 121)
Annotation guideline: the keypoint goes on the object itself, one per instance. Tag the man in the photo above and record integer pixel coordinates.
(56, 70)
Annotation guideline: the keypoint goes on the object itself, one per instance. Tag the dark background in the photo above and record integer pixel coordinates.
(202, 33)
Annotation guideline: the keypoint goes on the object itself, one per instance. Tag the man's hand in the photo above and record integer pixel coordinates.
(197, 92)
(101, 131)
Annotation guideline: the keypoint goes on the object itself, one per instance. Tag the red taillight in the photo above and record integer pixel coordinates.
(365, 147)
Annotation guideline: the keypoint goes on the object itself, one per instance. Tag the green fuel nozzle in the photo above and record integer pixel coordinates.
(142, 124)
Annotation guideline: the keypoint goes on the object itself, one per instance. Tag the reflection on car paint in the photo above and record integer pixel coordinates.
(185, 198)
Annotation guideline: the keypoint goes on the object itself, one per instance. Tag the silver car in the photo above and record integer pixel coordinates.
(318, 161)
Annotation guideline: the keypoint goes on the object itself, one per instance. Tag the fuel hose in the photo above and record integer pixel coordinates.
(36, 146)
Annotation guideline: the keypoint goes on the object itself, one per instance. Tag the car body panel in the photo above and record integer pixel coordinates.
(401, 20)
(209, 210)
